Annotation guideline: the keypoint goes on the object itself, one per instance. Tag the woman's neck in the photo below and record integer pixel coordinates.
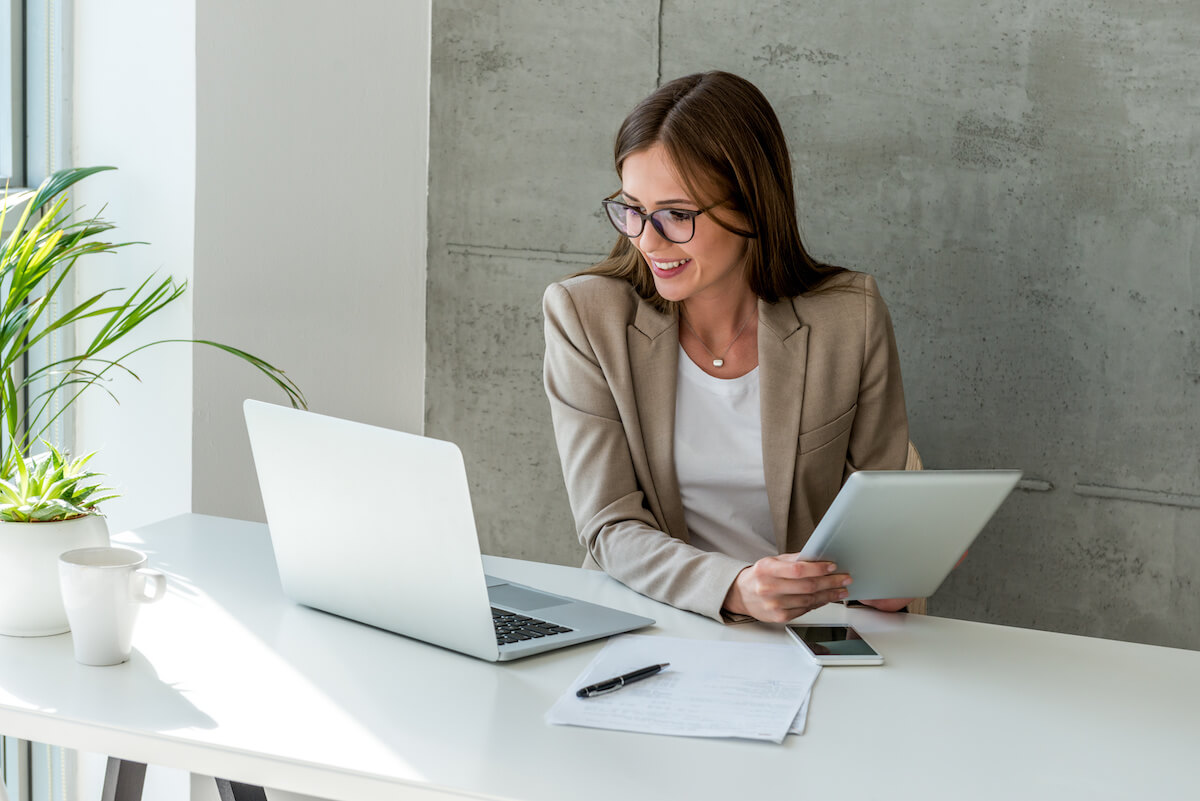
(719, 318)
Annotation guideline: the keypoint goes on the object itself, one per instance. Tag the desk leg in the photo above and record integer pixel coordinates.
(123, 780)
(236, 791)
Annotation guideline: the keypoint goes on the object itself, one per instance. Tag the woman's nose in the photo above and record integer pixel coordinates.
(650, 238)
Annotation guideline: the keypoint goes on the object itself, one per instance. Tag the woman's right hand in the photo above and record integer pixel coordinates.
(776, 589)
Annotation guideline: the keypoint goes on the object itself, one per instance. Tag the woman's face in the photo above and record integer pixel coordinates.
(708, 266)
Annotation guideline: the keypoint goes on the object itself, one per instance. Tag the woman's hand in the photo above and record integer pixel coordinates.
(887, 604)
(776, 589)
(896, 604)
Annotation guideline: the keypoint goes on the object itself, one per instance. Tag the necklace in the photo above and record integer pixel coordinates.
(717, 361)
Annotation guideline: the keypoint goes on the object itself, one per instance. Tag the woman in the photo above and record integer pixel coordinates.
(712, 385)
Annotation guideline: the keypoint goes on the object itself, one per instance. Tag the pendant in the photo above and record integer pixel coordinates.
(718, 362)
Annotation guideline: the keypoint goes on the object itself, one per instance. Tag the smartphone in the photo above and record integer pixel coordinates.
(834, 644)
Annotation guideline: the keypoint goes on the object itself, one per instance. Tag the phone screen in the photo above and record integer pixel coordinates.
(833, 641)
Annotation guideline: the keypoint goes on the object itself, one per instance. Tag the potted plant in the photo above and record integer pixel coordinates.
(47, 507)
(49, 501)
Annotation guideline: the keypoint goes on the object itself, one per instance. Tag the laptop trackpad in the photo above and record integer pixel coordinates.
(523, 600)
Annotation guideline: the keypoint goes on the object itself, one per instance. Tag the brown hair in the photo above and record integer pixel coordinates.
(724, 138)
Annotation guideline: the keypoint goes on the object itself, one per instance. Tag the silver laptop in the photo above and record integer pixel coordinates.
(376, 525)
(899, 533)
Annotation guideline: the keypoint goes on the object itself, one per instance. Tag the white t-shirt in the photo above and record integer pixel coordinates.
(719, 463)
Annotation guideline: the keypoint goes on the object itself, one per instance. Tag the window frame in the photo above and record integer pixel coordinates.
(35, 141)
(12, 93)
(48, 62)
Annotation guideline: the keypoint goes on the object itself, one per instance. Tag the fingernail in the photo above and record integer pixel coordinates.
(843, 593)
(846, 581)
(831, 569)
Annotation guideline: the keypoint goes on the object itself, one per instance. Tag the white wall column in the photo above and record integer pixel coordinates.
(135, 108)
(311, 164)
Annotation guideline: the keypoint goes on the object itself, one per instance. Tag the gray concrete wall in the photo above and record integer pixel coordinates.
(1021, 177)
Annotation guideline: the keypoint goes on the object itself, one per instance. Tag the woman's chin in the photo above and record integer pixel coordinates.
(672, 290)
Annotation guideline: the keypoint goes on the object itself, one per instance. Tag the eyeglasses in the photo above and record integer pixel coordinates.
(673, 225)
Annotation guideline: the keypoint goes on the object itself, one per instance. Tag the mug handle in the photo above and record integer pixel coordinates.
(150, 577)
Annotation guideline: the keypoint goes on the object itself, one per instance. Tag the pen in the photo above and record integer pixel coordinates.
(609, 685)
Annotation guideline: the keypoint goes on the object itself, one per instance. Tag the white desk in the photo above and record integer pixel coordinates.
(230, 679)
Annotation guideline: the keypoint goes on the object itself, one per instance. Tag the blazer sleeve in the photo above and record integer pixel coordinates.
(613, 522)
(879, 436)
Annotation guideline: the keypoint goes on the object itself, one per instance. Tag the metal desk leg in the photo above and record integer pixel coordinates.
(236, 791)
(123, 780)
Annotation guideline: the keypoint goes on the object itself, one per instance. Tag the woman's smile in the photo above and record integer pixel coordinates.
(668, 269)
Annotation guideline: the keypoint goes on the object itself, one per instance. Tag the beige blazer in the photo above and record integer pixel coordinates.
(832, 403)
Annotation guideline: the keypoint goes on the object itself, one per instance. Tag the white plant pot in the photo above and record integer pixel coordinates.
(31, 604)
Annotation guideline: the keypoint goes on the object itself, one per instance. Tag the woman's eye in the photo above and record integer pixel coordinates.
(678, 215)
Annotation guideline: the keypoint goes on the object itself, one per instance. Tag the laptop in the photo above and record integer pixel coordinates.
(376, 525)
(899, 533)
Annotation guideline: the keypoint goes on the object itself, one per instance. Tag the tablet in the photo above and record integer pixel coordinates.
(899, 533)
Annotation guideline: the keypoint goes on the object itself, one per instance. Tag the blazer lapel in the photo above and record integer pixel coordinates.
(782, 357)
(654, 363)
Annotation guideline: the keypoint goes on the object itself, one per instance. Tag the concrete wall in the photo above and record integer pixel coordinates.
(311, 169)
(1020, 177)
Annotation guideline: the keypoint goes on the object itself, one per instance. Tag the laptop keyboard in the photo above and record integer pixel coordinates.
(512, 627)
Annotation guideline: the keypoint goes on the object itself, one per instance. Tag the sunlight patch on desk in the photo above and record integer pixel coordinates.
(291, 710)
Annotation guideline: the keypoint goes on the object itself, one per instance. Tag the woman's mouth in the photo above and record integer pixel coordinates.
(668, 268)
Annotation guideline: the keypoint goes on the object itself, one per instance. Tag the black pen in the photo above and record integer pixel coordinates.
(617, 683)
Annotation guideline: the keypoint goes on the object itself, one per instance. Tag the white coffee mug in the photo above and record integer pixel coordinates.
(102, 589)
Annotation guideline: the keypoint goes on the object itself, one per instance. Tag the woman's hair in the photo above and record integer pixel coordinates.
(726, 142)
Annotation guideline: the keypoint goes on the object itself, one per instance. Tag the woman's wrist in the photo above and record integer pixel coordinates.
(733, 598)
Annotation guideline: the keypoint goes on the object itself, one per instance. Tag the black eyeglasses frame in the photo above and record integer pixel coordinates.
(610, 202)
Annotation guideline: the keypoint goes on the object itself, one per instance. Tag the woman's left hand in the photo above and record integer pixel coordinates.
(896, 604)
(888, 604)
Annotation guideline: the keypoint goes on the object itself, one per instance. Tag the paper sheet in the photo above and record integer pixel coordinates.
(801, 719)
(757, 691)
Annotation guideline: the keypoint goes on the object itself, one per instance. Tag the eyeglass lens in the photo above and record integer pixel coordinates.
(675, 226)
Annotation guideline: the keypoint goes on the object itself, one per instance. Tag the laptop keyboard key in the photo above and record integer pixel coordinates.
(512, 627)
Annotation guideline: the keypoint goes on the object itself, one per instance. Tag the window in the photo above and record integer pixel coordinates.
(34, 772)
(35, 125)
(14, 767)
(34, 141)
(12, 92)
(35, 72)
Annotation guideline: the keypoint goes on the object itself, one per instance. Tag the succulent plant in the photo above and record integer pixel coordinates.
(49, 486)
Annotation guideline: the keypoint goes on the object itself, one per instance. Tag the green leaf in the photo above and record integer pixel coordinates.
(56, 509)
(9, 492)
(11, 399)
